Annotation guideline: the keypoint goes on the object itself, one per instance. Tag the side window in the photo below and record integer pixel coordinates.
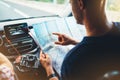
(113, 10)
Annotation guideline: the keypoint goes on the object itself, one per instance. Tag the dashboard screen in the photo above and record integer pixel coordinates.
(16, 30)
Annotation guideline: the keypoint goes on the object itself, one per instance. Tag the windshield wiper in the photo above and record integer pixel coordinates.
(28, 18)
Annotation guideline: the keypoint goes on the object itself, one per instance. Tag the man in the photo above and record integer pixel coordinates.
(96, 53)
(6, 69)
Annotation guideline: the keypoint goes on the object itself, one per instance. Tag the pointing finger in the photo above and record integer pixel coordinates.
(56, 34)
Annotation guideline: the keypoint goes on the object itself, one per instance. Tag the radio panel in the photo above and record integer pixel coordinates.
(18, 40)
(16, 31)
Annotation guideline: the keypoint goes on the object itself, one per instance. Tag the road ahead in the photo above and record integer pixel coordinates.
(9, 10)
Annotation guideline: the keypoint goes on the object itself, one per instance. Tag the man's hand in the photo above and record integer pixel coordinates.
(65, 40)
(46, 63)
(45, 60)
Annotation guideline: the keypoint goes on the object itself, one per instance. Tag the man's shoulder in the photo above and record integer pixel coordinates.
(76, 54)
(91, 45)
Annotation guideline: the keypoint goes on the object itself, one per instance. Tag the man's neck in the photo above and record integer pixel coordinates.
(98, 27)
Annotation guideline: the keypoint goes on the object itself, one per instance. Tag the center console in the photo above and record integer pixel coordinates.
(16, 40)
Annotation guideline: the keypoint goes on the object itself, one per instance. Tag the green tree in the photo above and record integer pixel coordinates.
(113, 5)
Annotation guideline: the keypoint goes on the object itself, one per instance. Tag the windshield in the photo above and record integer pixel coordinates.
(16, 9)
(22, 9)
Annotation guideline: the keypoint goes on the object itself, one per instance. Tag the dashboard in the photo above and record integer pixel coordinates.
(28, 37)
(15, 40)
(16, 34)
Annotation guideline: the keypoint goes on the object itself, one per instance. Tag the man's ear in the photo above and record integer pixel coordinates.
(81, 4)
